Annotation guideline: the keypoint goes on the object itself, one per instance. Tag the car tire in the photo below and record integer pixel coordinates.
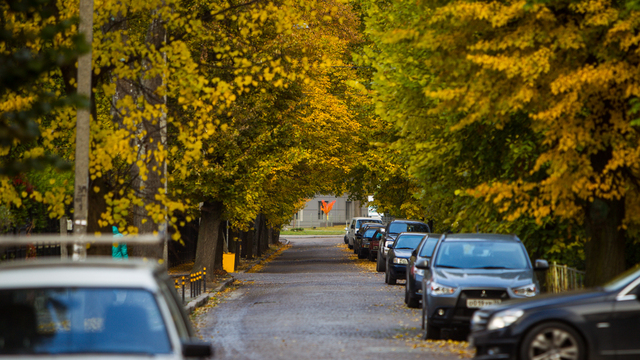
(380, 264)
(430, 332)
(391, 280)
(371, 256)
(411, 301)
(346, 239)
(546, 334)
(361, 254)
(350, 246)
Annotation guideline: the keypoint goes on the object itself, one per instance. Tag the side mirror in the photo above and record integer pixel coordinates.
(422, 263)
(541, 265)
(196, 349)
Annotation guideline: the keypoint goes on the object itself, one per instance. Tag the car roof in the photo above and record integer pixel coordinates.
(407, 221)
(92, 272)
(364, 217)
(480, 237)
(413, 233)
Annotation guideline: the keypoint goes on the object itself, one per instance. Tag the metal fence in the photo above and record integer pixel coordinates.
(562, 278)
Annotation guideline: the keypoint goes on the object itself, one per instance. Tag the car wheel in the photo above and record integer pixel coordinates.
(411, 301)
(380, 263)
(391, 279)
(406, 294)
(350, 246)
(361, 254)
(371, 257)
(552, 340)
(346, 239)
(430, 332)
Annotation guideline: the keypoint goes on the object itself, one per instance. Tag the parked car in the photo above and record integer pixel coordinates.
(392, 230)
(354, 227)
(600, 323)
(374, 243)
(362, 241)
(413, 286)
(469, 272)
(399, 254)
(92, 309)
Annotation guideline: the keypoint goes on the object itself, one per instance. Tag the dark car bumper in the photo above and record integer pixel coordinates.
(495, 344)
(398, 271)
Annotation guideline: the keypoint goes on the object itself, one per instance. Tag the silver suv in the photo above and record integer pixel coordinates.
(98, 308)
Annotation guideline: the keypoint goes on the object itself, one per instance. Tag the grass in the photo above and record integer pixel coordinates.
(320, 230)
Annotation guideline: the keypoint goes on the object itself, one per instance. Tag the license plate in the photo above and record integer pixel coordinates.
(479, 303)
(375, 248)
(365, 245)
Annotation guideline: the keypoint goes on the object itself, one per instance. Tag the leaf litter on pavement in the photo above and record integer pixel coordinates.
(413, 340)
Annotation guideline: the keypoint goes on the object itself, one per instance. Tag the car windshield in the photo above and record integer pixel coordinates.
(360, 222)
(428, 246)
(408, 241)
(481, 255)
(397, 228)
(369, 233)
(623, 279)
(81, 321)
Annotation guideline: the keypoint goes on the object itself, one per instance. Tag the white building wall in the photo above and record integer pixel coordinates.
(341, 213)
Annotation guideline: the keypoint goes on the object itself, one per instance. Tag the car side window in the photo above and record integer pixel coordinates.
(182, 326)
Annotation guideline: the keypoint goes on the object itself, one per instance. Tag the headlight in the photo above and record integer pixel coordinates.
(437, 289)
(528, 290)
(504, 318)
(400, 261)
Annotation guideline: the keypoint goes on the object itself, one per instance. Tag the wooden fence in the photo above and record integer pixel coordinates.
(562, 278)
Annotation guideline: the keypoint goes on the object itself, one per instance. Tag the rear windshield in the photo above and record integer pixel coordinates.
(408, 241)
(428, 246)
(397, 228)
(369, 233)
(360, 222)
(482, 255)
(81, 321)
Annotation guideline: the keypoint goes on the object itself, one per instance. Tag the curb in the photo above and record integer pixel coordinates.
(202, 299)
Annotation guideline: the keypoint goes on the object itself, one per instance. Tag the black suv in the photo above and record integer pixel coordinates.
(391, 231)
(470, 271)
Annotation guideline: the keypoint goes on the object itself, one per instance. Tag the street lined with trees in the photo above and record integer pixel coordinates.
(507, 117)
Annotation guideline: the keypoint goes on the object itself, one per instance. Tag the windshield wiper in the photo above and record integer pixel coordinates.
(410, 248)
(449, 266)
(492, 267)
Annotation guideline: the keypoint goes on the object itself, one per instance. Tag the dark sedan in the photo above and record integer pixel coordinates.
(399, 254)
(362, 242)
(413, 286)
(602, 323)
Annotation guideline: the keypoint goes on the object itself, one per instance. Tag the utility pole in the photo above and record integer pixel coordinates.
(81, 193)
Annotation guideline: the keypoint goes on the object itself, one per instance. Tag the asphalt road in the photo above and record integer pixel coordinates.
(316, 301)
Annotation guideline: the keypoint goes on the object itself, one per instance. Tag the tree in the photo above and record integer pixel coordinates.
(556, 72)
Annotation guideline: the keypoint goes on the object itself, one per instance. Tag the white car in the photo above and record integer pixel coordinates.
(356, 223)
(98, 308)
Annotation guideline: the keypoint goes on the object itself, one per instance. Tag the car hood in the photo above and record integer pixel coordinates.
(402, 253)
(489, 278)
(570, 298)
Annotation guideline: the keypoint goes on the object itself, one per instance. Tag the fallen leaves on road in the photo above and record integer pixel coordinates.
(365, 264)
(276, 251)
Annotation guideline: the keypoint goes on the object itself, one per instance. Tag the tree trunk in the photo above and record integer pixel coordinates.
(208, 235)
(154, 130)
(220, 248)
(256, 237)
(604, 250)
(247, 245)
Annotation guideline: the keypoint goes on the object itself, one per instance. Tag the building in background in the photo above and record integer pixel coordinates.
(342, 212)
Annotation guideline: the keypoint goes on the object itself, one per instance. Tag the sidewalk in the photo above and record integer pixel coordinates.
(217, 283)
